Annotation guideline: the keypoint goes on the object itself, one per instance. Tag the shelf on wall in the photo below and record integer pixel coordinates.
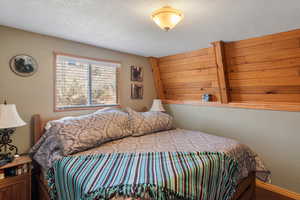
(279, 106)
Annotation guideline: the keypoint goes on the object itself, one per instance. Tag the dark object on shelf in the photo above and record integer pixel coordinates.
(5, 158)
(10, 172)
(206, 97)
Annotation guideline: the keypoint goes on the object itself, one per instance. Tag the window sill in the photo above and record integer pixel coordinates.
(66, 109)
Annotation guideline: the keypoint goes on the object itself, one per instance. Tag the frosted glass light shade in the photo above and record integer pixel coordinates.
(9, 117)
(157, 106)
(167, 17)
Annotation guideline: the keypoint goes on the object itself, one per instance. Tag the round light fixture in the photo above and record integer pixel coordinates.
(167, 17)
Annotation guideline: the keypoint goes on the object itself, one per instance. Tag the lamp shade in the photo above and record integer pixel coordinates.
(9, 117)
(157, 106)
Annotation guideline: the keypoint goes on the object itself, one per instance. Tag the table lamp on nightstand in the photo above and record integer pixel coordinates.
(9, 120)
(157, 106)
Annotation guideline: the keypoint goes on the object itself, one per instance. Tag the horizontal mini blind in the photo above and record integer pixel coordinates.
(84, 82)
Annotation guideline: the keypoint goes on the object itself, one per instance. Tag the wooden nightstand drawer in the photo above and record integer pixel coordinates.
(15, 188)
(18, 186)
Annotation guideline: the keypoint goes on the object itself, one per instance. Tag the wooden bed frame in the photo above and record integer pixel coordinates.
(245, 189)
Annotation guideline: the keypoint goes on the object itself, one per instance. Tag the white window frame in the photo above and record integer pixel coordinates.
(89, 106)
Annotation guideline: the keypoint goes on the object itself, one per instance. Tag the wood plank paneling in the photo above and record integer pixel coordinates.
(259, 49)
(266, 39)
(157, 80)
(221, 68)
(260, 73)
(266, 90)
(278, 64)
(265, 97)
(200, 84)
(195, 59)
(185, 65)
(267, 55)
(189, 75)
(271, 73)
(190, 79)
(285, 81)
(192, 90)
(265, 69)
(196, 53)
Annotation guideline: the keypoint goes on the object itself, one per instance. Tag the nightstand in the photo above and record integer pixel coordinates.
(15, 179)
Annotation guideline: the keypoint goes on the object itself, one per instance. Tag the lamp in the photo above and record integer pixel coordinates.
(157, 106)
(9, 120)
(167, 17)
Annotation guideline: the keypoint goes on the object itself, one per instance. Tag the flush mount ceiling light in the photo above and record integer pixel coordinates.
(167, 17)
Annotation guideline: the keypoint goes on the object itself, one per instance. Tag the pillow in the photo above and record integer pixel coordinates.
(83, 132)
(61, 120)
(143, 123)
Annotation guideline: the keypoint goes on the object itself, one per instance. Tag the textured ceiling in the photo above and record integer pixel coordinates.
(125, 25)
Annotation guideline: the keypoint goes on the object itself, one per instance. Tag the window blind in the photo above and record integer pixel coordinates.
(85, 82)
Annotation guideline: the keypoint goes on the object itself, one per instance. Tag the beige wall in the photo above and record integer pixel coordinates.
(274, 135)
(35, 94)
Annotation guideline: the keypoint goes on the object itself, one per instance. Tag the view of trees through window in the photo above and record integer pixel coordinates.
(85, 83)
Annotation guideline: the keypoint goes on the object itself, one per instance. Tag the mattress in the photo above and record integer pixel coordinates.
(180, 140)
(176, 140)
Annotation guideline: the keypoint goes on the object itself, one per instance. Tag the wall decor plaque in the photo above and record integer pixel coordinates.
(23, 65)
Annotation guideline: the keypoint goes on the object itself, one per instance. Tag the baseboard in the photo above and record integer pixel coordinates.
(278, 190)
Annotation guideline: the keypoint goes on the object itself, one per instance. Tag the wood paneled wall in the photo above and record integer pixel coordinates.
(187, 76)
(265, 69)
(261, 73)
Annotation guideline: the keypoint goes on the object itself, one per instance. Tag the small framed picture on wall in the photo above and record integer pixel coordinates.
(137, 91)
(136, 73)
(23, 65)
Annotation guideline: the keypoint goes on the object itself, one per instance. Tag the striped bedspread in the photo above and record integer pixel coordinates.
(157, 175)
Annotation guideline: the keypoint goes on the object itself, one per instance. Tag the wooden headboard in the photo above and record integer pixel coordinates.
(38, 126)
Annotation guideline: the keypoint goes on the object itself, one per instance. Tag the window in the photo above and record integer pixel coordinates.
(84, 82)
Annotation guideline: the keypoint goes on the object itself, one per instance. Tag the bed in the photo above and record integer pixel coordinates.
(175, 140)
